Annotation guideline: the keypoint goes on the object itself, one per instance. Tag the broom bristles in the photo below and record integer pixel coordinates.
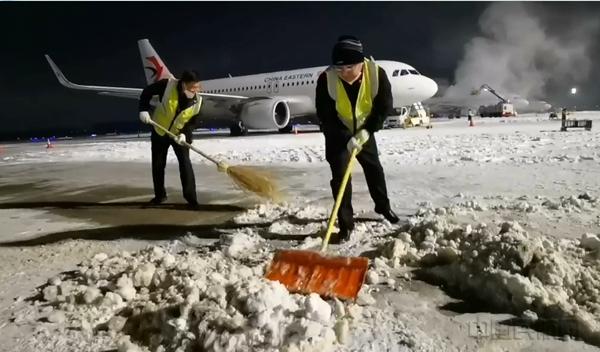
(259, 182)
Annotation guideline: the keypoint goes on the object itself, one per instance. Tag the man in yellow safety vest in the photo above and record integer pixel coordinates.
(353, 99)
(178, 107)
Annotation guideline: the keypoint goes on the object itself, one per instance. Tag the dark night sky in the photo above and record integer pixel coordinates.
(96, 43)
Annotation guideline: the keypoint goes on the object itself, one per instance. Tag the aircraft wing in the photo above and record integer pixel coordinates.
(134, 93)
(218, 109)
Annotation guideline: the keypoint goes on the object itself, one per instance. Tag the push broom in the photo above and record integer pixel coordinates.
(307, 271)
(248, 178)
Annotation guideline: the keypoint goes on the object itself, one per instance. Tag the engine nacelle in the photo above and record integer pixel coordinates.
(265, 114)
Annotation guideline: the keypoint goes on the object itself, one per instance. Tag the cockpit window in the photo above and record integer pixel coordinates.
(395, 74)
(414, 72)
(403, 73)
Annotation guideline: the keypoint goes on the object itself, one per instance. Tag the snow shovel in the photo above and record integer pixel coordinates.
(305, 271)
(259, 182)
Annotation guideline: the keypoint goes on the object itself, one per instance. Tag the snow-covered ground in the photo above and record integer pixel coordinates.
(524, 140)
(497, 249)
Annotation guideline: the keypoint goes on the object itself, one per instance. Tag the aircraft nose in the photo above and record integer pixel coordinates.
(429, 87)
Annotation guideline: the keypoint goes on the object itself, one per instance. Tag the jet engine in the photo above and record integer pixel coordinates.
(265, 114)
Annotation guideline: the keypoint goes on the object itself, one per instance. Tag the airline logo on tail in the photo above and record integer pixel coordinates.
(156, 67)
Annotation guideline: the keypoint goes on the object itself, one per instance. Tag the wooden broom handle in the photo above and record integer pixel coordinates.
(173, 136)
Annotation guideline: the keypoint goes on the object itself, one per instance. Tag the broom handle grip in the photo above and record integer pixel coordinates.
(184, 143)
(338, 199)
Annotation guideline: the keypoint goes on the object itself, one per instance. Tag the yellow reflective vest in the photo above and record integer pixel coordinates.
(366, 93)
(165, 113)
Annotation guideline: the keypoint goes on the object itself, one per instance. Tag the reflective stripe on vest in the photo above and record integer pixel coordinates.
(164, 114)
(366, 93)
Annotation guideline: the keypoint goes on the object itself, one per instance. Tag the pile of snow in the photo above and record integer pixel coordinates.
(241, 244)
(507, 267)
(218, 300)
(156, 300)
(574, 203)
(286, 228)
(193, 300)
(267, 213)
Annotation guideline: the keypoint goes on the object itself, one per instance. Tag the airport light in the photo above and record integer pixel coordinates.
(573, 90)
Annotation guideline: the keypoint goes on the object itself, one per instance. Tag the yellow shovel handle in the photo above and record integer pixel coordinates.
(338, 199)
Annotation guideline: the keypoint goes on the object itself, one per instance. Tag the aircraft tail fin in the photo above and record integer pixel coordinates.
(154, 68)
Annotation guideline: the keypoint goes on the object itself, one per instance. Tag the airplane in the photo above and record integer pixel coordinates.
(275, 100)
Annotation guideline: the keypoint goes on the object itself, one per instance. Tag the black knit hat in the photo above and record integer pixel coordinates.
(347, 51)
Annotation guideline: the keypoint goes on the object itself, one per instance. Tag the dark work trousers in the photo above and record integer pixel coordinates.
(338, 156)
(160, 148)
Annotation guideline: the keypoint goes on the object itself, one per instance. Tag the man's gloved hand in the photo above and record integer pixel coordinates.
(358, 140)
(145, 117)
(222, 167)
(180, 139)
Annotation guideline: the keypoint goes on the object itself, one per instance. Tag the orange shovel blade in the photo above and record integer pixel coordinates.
(312, 272)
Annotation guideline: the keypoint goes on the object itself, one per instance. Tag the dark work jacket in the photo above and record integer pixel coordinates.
(331, 124)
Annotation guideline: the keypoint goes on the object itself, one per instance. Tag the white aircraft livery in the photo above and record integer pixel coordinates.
(275, 100)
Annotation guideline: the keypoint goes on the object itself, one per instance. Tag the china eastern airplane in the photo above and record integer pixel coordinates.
(275, 100)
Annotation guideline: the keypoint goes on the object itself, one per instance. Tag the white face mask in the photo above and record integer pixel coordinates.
(189, 94)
